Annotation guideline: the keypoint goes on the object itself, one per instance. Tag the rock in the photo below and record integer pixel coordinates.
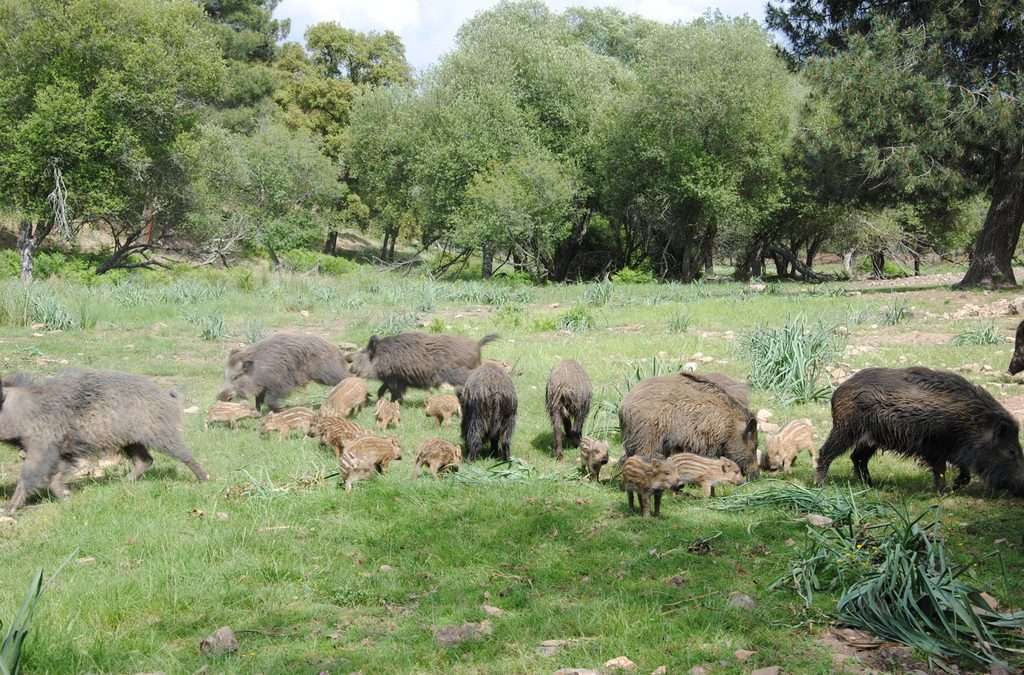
(660, 670)
(449, 636)
(770, 670)
(818, 520)
(1017, 305)
(552, 647)
(221, 642)
(490, 610)
(700, 670)
(676, 580)
(191, 410)
(620, 663)
(386, 568)
(743, 655)
(576, 671)
(992, 603)
(691, 367)
(739, 600)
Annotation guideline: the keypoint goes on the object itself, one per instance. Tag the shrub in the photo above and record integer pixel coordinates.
(514, 278)
(545, 324)
(576, 320)
(301, 260)
(392, 324)
(895, 313)
(790, 361)
(10, 264)
(628, 275)
(980, 335)
(598, 294)
(211, 326)
(890, 270)
(437, 325)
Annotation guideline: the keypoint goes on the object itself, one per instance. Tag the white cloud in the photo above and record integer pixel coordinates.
(428, 27)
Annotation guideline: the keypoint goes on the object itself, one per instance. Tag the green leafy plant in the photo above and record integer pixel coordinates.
(254, 331)
(679, 322)
(628, 275)
(599, 294)
(11, 647)
(211, 326)
(790, 361)
(437, 325)
(895, 313)
(576, 320)
(980, 335)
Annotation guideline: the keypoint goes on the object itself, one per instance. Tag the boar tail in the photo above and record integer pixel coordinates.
(488, 339)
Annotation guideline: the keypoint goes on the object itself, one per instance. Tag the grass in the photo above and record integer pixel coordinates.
(273, 548)
(790, 361)
(895, 313)
(987, 334)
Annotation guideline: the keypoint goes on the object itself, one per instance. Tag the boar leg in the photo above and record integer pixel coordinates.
(645, 503)
(629, 497)
(657, 503)
(861, 455)
(38, 469)
(556, 429)
(179, 451)
(962, 479)
(939, 475)
(142, 460)
(57, 487)
(835, 445)
(259, 400)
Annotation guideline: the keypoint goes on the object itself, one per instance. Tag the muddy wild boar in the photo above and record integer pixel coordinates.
(705, 471)
(389, 413)
(647, 476)
(334, 432)
(365, 456)
(289, 420)
(437, 455)
(225, 412)
(275, 366)
(567, 400)
(593, 456)
(782, 449)
(936, 417)
(348, 398)
(688, 413)
(418, 360)
(489, 404)
(1017, 360)
(85, 414)
(443, 407)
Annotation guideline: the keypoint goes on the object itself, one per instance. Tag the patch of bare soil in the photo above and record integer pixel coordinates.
(914, 337)
(856, 651)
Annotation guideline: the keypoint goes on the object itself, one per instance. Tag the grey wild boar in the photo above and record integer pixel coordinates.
(334, 432)
(347, 398)
(443, 407)
(367, 455)
(225, 412)
(276, 365)
(86, 414)
(567, 400)
(418, 360)
(647, 477)
(705, 471)
(782, 449)
(437, 455)
(288, 421)
(688, 413)
(489, 404)
(593, 456)
(1017, 360)
(389, 413)
(934, 416)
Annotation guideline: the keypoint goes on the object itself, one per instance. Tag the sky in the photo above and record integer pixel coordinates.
(427, 27)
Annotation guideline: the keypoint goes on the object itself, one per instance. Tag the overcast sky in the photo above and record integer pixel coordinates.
(428, 27)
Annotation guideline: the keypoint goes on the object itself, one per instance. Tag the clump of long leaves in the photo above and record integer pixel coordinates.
(843, 507)
(10, 648)
(980, 335)
(790, 361)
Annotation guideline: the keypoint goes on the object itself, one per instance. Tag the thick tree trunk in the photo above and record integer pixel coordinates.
(812, 251)
(27, 248)
(781, 266)
(708, 254)
(487, 263)
(384, 244)
(331, 245)
(992, 261)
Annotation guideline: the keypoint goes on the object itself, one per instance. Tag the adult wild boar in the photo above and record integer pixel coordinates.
(418, 360)
(81, 414)
(1017, 360)
(270, 369)
(567, 399)
(489, 404)
(937, 417)
(688, 413)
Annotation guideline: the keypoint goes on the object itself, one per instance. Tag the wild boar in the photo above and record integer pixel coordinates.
(648, 476)
(418, 360)
(225, 412)
(688, 413)
(1017, 360)
(82, 414)
(937, 417)
(783, 448)
(289, 420)
(348, 398)
(489, 404)
(567, 400)
(443, 407)
(275, 366)
(334, 432)
(389, 413)
(437, 455)
(738, 390)
(365, 456)
(593, 456)
(706, 472)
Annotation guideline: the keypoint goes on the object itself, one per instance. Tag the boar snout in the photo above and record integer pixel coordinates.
(227, 395)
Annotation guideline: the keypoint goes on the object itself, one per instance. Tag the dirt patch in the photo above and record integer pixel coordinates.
(914, 337)
(855, 651)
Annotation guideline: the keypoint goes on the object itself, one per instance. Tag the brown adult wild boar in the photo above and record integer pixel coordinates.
(418, 360)
(80, 414)
(276, 365)
(489, 404)
(937, 417)
(567, 399)
(688, 413)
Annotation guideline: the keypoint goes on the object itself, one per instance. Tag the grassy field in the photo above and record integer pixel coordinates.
(316, 580)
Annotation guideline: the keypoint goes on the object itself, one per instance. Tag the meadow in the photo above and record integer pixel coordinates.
(313, 579)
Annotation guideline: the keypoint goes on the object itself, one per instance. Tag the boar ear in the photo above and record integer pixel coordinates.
(371, 346)
(751, 429)
(247, 366)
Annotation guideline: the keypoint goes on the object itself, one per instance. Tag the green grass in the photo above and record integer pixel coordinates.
(274, 549)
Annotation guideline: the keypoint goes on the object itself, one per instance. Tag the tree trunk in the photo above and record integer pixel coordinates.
(487, 263)
(27, 248)
(781, 266)
(391, 248)
(708, 254)
(878, 265)
(813, 247)
(331, 245)
(848, 257)
(992, 261)
(384, 244)
(917, 263)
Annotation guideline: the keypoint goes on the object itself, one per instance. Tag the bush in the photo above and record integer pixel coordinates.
(10, 264)
(790, 361)
(628, 275)
(896, 313)
(301, 260)
(576, 320)
(890, 269)
(980, 335)
(211, 326)
(514, 278)
(598, 294)
(679, 323)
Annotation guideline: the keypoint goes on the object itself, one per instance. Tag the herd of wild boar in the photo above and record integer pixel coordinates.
(676, 429)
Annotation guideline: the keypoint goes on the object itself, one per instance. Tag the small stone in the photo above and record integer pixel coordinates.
(304, 314)
(707, 359)
(691, 367)
(220, 515)
(221, 642)
(770, 670)
(386, 568)
(818, 520)
(191, 410)
(676, 580)
(491, 610)
(620, 663)
(790, 542)
(576, 671)
(700, 670)
(449, 636)
(660, 670)
(739, 600)
(742, 655)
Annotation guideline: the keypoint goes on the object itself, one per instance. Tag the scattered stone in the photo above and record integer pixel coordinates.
(691, 367)
(707, 359)
(386, 568)
(743, 655)
(700, 670)
(221, 642)
(491, 610)
(818, 520)
(770, 670)
(660, 670)
(449, 636)
(620, 663)
(739, 600)
(576, 671)
(676, 580)
(191, 410)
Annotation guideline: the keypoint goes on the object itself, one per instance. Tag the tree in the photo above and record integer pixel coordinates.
(929, 96)
(362, 58)
(93, 94)
(247, 28)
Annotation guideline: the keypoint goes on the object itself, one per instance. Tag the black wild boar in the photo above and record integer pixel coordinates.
(567, 399)
(489, 406)
(938, 417)
(79, 414)
(417, 360)
(1017, 360)
(270, 369)
(688, 413)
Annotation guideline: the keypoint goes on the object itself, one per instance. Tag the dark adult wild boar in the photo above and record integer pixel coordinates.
(80, 414)
(938, 417)
(418, 360)
(567, 400)
(1017, 360)
(489, 405)
(688, 413)
(270, 369)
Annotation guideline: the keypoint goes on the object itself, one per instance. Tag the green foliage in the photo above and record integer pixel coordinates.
(896, 313)
(254, 331)
(392, 324)
(988, 334)
(790, 361)
(300, 260)
(437, 325)
(628, 275)
(890, 270)
(576, 320)
(599, 294)
(211, 326)
(679, 322)
(11, 647)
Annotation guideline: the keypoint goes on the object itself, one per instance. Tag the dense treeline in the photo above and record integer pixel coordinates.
(561, 145)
